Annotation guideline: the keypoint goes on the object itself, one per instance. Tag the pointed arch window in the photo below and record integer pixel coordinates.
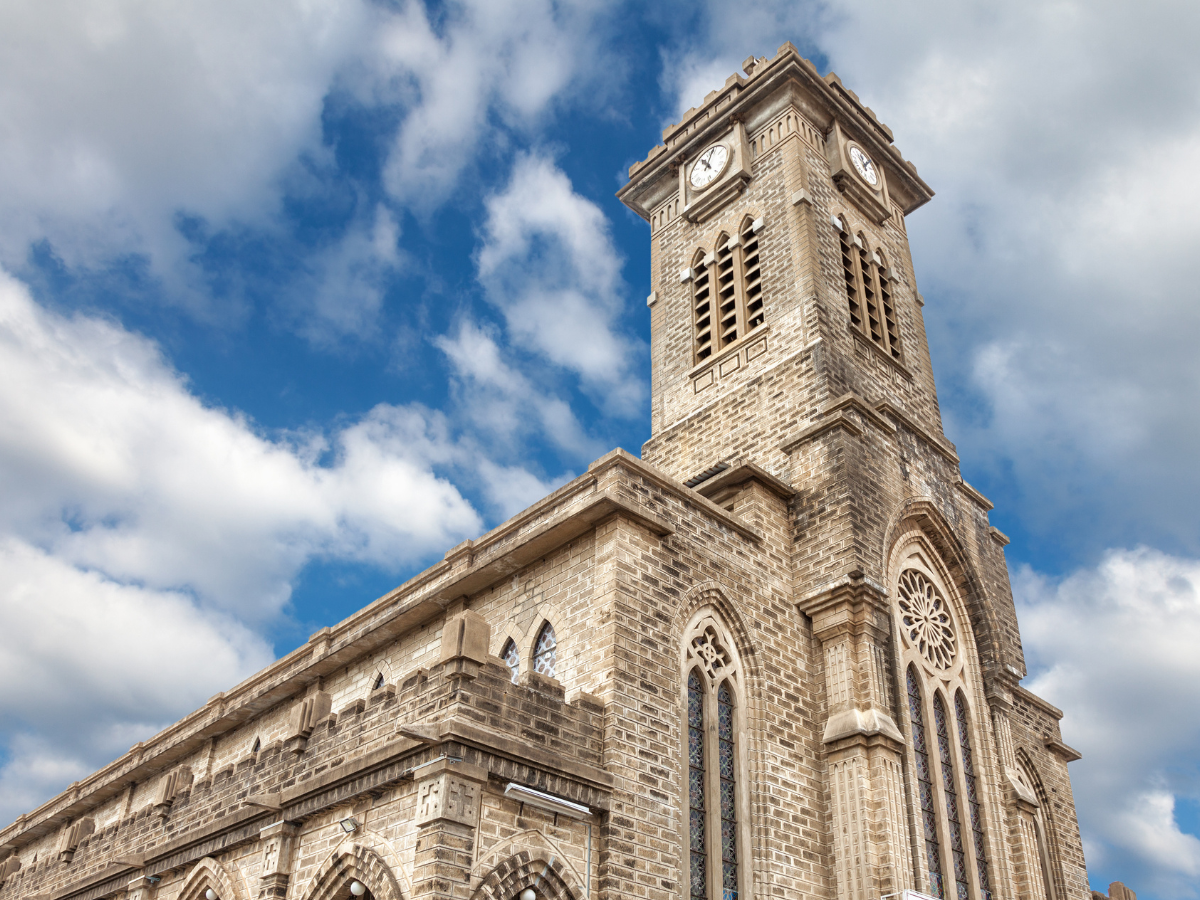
(512, 658)
(945, 786)
(868, 291)
(974, 814)
(727, 291)
(925, 792)
(545, 652)
(713, 764)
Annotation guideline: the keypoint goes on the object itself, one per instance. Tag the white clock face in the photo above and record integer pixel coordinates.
(864, 166)
(710, 164)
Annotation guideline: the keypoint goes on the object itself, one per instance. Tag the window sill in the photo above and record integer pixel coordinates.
(879, 352)
(730, 351)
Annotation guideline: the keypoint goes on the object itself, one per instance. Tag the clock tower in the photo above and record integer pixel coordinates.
(792, 386)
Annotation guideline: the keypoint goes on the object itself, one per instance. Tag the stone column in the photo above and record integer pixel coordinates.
(276, 845)
(448, 795)
(864, 749)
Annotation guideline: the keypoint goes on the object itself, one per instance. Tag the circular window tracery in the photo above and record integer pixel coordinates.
(925, 617)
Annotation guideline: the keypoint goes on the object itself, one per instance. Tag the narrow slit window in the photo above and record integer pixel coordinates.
(512, 658)
(545, 652)
(927, 795)
(702, 304)
(973, 811)
(958, 852)
(728, 763)
(698, 840)
(378, 683)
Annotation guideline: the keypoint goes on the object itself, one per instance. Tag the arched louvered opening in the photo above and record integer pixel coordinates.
(869, 291)
(751, 276)
(727, 291)
(702, 305)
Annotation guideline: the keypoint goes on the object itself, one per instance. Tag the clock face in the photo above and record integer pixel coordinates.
(710, 164)
(864, 166)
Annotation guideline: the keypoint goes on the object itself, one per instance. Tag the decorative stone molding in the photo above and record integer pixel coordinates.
(73, 836)
(449, 791)
(209, 873)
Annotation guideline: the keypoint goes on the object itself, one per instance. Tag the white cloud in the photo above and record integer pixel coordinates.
(549, 263)
(504, 406)
(114, 116)
(1115, 648)
(145, 537)
(108, 461)
(508, 59)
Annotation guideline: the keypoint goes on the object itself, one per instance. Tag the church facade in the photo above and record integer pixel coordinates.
(775, 657)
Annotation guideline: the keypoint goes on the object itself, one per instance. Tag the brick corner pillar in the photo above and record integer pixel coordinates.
(864, 750)
(448, 803)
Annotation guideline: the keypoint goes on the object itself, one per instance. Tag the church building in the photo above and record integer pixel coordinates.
(774, 658)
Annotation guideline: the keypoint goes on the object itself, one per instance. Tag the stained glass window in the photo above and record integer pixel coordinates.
(512, 658)
(544, 653)
(933, 853)
(699, 843)
(964, 743)
(725, 751)
(958, 853)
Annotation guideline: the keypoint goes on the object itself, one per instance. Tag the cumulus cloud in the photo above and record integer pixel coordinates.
(1115, 647)
(108, 460)
(549, 264)
(143, 531)
(91, 666)
(507, 59)
(115, 116)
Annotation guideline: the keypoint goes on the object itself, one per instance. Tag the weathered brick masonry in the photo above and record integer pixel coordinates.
(757, 631)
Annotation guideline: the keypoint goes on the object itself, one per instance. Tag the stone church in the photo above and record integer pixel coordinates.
(775, 658)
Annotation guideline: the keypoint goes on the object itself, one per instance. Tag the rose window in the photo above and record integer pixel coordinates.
(926, 619)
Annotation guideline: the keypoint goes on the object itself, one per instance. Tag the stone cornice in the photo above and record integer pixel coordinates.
(1034, 700)
(739, 472)
(829, 100)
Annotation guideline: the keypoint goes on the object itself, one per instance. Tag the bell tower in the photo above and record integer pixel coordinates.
(782, 282)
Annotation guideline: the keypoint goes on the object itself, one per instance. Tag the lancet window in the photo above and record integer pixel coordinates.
(714, 784)
(512, 658)
(868, 291)
(945, 787)
(545, 652)
(727, 294)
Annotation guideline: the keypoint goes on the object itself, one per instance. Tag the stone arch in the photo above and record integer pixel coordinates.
(709, 593)
(209, 873)
(544, 872)
(356, 860)
(1044, 821)
(531, 842)
(921, 514)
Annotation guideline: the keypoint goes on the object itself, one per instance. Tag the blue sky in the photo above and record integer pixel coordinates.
(295, 295)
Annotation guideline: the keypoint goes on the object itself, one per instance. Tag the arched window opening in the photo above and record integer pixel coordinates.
(727, 290)
(257, 745)
(868, 291)
(958, 853)
(702, 303)
(715, 805)
(929, 823)
(698, 857)
(973, 810)
(512, 658)
(378, 682)
(545, 652)
(751, 276)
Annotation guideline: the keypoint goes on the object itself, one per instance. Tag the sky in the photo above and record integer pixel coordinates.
(297, 294)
